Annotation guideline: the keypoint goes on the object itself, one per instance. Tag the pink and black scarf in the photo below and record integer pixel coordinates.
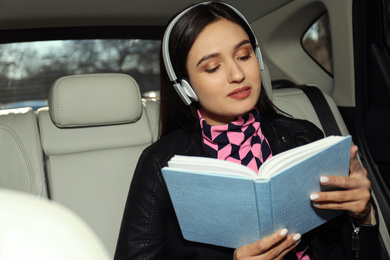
(240, 141)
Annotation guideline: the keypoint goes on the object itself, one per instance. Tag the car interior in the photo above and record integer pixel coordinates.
(73, 123)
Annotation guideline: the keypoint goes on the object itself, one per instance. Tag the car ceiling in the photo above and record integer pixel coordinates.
(26, 14)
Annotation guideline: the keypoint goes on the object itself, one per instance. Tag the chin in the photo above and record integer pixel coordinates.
(242, 112)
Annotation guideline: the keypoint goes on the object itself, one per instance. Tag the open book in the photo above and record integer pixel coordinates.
(227, 204)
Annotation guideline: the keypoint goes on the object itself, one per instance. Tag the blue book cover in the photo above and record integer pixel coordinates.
(227, 204)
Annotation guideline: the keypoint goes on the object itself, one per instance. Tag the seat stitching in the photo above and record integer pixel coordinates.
(22, 148)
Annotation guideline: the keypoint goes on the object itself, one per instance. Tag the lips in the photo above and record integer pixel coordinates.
(240, 93)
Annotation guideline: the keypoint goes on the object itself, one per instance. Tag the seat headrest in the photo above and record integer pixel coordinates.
(266, 81)
(94, 99)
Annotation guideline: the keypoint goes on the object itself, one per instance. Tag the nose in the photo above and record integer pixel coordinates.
(235, 74)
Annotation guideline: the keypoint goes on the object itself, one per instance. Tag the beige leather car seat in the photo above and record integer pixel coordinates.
(21, 163)
(36, 228)
(295, 102)
(92, 133)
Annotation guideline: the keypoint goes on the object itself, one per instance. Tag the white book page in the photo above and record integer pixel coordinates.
(272, 166)
(287, 159)
(212, 165)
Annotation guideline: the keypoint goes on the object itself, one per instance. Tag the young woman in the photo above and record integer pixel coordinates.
(212, 52)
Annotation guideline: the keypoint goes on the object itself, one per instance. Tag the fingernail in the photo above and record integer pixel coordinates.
(283, 232)
(324, 179)
(314, 196)
(317, 205)
(296, 237)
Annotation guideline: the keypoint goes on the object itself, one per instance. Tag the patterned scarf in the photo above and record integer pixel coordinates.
(240, 141)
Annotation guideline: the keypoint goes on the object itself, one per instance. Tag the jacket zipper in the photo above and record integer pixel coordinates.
(355, 241)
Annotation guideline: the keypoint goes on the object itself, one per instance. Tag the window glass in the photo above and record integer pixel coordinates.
(386, 21)
(27, 70)
(317, 43)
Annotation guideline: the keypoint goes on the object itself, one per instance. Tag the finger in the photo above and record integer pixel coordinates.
(262, 245)
(355, 208)
(351, 182)
(269, 247)
(351, 189)
(355, 167)
(288, 249)
(358, 211)
(281, 249)
(362, 196)
(354, 151)
(354, 201)
(336, 196)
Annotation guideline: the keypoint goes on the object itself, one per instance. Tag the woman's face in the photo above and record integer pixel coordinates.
(224, 72)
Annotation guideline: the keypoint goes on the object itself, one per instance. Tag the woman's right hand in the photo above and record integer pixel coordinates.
(274, 246)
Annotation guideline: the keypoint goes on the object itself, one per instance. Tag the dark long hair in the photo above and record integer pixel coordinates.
(174, 114)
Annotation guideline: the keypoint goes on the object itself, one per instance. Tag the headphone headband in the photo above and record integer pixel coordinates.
(167, 59)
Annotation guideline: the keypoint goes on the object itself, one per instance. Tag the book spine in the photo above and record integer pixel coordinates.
(264, 207)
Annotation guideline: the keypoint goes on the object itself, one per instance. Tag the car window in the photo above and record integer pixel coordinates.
(316, 41)
(28, 69)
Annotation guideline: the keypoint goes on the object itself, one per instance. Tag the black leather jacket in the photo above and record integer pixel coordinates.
(150, 229)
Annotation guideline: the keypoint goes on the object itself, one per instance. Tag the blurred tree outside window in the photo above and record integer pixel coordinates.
(27, 70)
(316, 41)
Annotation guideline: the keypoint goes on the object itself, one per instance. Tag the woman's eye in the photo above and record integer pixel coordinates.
(212, 69)
(244, 58)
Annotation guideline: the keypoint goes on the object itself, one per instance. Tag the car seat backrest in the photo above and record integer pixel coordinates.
(92, 134)
(22, 161)
(35, 228)
(295, 102)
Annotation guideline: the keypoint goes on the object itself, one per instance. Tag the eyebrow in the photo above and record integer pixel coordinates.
(213, 55)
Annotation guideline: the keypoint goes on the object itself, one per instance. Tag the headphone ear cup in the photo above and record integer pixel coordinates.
(182, 94)
(189, 90)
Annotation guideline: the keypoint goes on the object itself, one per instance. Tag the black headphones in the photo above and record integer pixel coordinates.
(183, 88)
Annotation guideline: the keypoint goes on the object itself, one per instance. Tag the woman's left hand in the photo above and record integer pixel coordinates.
(355, 196)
